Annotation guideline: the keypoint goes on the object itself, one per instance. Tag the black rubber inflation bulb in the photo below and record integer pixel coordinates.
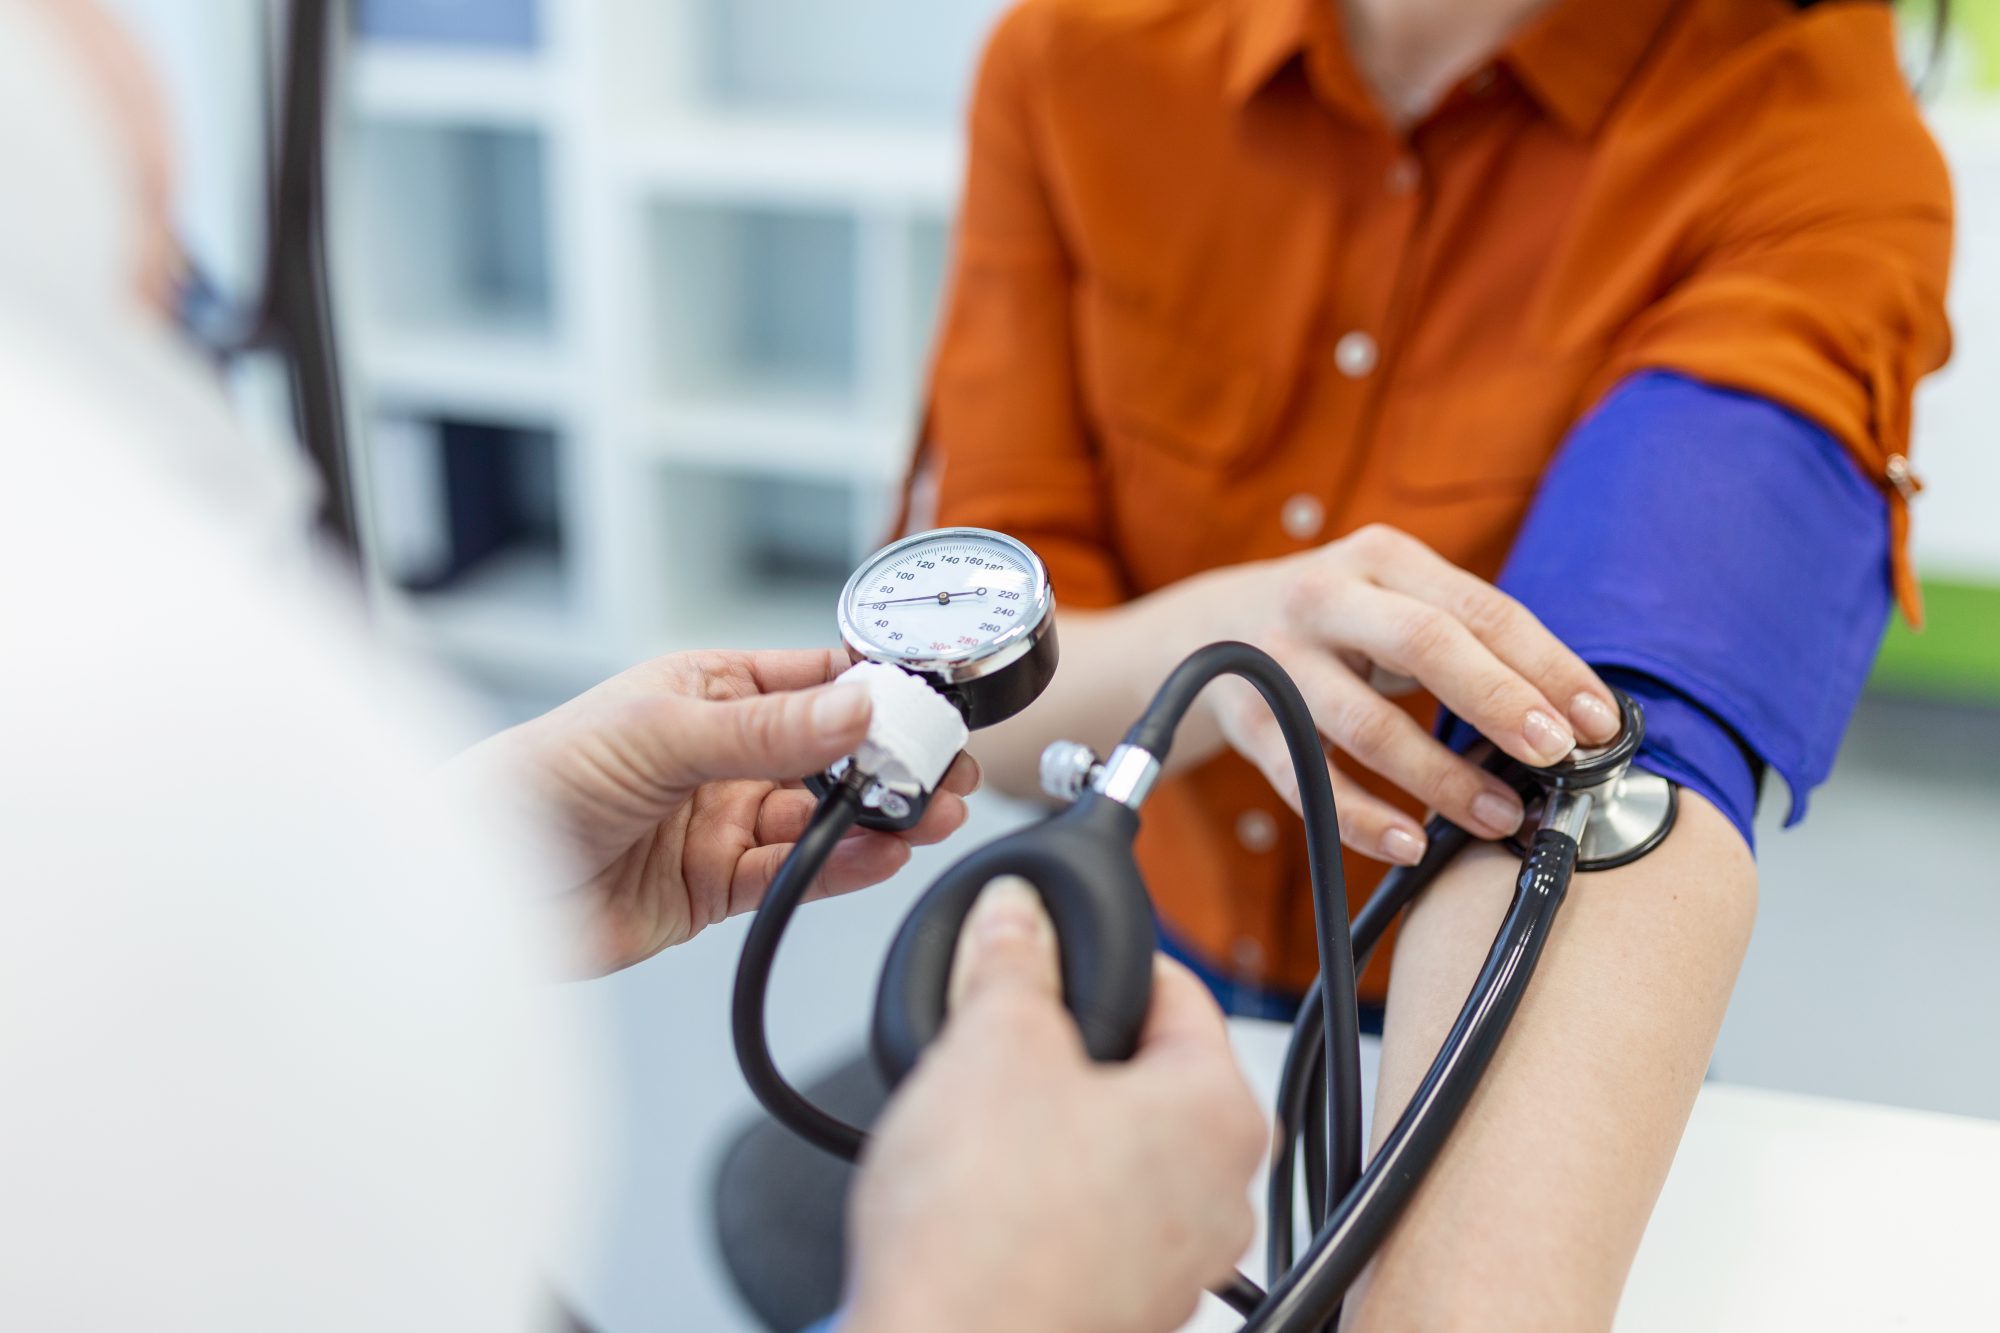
(1080, 861)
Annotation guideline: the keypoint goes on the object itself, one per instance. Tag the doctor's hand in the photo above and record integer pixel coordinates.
(674, 789)
(1013, 1184)
(1375, 614)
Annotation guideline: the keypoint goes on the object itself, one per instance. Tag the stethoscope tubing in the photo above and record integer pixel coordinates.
(1299, 1118)
(1308, 1295)
(1319, 1097)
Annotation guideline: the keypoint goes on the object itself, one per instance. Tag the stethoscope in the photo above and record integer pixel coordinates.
(291, 315)
(930, 605)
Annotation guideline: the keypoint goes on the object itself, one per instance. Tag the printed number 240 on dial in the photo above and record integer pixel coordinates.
(950, 599)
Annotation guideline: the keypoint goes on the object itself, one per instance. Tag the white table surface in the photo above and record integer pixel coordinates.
(1788, 1212)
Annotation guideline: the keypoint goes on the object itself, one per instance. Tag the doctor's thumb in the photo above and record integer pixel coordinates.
(779, 736)
(1008, 944)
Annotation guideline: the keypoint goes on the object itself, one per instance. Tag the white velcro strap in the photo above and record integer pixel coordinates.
(914, 732)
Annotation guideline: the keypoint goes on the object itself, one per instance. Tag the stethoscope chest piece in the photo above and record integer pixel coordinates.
(1631, 811)
(1631, 816)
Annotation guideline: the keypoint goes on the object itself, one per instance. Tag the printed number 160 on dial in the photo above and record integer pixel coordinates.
(949, 599)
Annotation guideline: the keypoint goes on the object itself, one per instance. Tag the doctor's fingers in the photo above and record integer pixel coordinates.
(866, 858)
(862, 858)
(671, 742)
(1209, 1133)
(784, 813)
(1401, 563)
(1186, 1037)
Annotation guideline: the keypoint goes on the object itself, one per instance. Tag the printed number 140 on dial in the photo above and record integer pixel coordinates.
(943, 601)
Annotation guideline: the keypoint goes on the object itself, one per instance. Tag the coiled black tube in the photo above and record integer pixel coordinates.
(836, 814)
(1304, 1057)
(1336, 1158)
(1320, 1094)
(1302, 1298)
(1154, 733)
(1240, 1294)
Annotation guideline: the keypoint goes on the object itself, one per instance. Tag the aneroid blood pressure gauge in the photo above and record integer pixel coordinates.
(965, 609)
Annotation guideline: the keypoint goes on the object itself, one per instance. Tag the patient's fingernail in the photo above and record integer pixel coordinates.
(839, 709)
(1548, 740)
(1400, 847)
(1497, 815)
(1594, 719)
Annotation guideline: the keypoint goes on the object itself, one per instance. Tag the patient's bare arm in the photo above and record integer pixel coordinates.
(1535, 1209)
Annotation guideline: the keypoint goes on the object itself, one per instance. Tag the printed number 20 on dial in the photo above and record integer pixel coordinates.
(950, 598)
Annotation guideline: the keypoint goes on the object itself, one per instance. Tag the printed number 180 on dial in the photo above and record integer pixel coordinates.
(951, 598)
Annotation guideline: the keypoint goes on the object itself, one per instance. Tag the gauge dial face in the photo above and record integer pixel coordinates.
(949, 596)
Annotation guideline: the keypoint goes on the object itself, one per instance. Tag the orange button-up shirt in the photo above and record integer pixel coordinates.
(1208, 306)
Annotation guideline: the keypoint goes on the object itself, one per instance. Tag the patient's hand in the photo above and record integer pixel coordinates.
(674, 787)
(1378, 613)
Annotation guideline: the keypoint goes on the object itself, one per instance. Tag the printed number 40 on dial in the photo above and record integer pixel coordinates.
(952, 594)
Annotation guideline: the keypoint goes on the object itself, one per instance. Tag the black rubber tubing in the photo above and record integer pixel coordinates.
(1303, 1067)
(1154, 732)
(831, 820)
(1302, 1298)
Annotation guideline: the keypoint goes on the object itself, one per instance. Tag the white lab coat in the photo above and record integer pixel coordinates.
(279, 1045)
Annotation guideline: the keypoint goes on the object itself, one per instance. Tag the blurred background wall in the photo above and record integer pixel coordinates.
(636, 296)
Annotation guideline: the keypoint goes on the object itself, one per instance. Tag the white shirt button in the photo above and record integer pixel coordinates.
(1405, 174)
(1247, 959)
(1257, 831)
(1354, 354)
(1302, 517)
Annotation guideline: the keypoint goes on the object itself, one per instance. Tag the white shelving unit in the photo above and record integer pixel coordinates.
(700, 243)
(405, 84)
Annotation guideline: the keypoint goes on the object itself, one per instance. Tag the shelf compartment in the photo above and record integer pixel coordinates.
(756, 558)
(904, 261)
(753, 307)
(848, 59)
(500, 89)
(789, 160)
(451, 230)
(811, 445)
(512, 372)
(930, 264)
(501, 24)
(453, 501)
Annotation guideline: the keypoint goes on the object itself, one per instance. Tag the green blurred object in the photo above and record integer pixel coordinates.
(1974, 24)
(1957, 653)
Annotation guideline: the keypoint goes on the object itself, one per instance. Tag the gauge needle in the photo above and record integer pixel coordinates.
(941, 598)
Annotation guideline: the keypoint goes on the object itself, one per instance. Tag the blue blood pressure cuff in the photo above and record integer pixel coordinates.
(1722, 559)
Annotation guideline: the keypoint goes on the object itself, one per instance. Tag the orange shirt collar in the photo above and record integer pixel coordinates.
(1574, 56)
(1265, 34)
(1269, 34)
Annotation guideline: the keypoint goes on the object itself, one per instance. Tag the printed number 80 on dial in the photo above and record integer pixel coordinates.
(950, 595)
